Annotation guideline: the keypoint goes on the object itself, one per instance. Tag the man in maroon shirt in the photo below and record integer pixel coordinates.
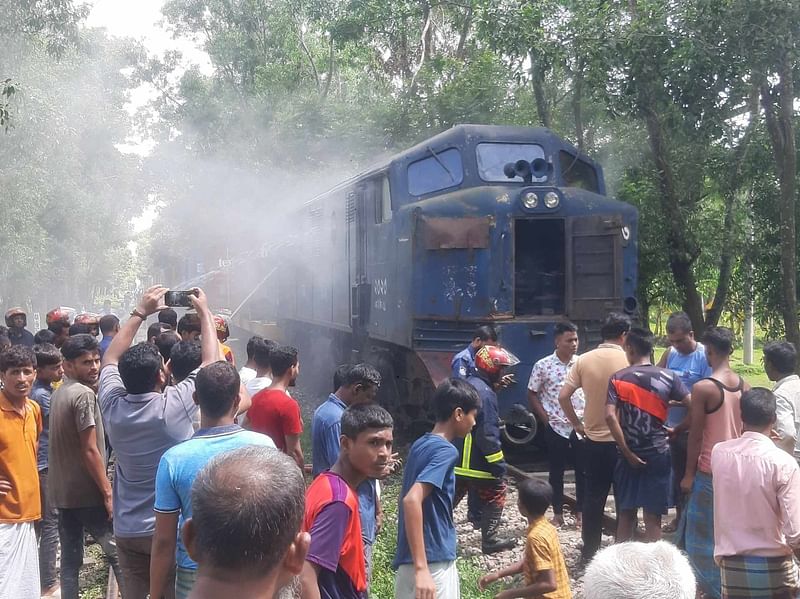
(274, 412)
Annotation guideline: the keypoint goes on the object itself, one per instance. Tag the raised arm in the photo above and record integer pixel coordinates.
(150, 303)
(209, 345)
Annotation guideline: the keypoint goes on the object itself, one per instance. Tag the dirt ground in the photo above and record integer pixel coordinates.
(514, 526)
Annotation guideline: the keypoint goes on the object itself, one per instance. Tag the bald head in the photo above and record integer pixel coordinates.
(247, 508)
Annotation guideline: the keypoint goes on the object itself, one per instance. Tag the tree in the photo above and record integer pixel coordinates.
(68, 193)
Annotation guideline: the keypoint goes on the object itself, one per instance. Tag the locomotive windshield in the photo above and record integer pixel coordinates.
(492, 157)
(439, 170)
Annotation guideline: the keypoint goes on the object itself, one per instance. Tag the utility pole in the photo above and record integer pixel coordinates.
(747, 349)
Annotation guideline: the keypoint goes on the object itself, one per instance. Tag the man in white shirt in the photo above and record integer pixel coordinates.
(248, 372)
(263, 378)
(780, 363)
(547, 379)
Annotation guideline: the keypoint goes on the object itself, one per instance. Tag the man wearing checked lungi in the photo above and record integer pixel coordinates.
(715, 418)
(756, 507)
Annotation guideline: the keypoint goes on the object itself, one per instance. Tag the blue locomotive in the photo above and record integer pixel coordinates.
(480, 224)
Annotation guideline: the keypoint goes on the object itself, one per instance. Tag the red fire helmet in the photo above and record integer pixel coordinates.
(492, 359)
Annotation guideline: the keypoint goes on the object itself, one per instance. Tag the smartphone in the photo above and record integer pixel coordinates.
(178, 299)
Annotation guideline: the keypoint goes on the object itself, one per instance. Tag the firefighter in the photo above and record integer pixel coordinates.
(223, 332)
(481, 464)
(16, 321)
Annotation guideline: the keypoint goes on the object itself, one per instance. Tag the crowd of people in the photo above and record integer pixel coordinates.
(207, 494)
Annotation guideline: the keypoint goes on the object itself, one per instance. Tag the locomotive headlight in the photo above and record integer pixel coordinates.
(551, 199)
(530, 200)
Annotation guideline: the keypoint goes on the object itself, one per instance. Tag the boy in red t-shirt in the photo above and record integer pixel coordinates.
(335, 566)
(274, 412)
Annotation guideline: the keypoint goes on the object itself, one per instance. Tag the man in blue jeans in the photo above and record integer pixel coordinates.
(79, 486)
(49, 370)
(359, 384)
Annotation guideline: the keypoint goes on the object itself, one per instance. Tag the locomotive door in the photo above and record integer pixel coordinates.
(594, 266)
(360, 289)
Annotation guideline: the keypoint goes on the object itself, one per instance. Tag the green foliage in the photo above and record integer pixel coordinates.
(660, 92)
(68, 194)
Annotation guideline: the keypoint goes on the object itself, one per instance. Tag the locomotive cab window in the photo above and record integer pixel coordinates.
(539, 266)
(439, 170)
(577, 173)
(383, 202)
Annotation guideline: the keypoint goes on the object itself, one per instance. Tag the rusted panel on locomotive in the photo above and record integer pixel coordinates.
(454, 233)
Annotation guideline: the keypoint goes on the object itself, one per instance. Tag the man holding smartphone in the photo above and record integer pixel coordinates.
(143, 419)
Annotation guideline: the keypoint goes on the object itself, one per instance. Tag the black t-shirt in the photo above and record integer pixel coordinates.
(642, 394)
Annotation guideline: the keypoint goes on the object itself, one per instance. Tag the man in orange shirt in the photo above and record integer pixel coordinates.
(20, 502)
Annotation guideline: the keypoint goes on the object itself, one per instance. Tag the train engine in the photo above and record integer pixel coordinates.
(480, 224)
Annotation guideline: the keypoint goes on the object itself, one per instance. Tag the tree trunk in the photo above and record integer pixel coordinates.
(784, 146)
(681, 252)
(577, 106)
(537, 80)
(644, 309)
(464, 33)
(787, 210)
(725, 263)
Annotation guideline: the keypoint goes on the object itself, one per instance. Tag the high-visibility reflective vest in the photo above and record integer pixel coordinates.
(481, 452)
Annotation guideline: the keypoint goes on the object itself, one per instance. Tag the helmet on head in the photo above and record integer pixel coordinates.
(16, 311)
(223, 332)
(87, 318)
(56, 315)
(491, 359)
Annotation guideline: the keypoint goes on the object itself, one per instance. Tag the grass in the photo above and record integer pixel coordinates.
(752, 373)
(94, 575)
(382, 585)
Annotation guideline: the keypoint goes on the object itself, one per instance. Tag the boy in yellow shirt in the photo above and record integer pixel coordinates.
(543, 563)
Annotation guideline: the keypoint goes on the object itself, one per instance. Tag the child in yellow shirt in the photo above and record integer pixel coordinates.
(543, 564)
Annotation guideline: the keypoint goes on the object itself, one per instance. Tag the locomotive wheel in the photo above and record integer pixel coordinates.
(520, 426)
